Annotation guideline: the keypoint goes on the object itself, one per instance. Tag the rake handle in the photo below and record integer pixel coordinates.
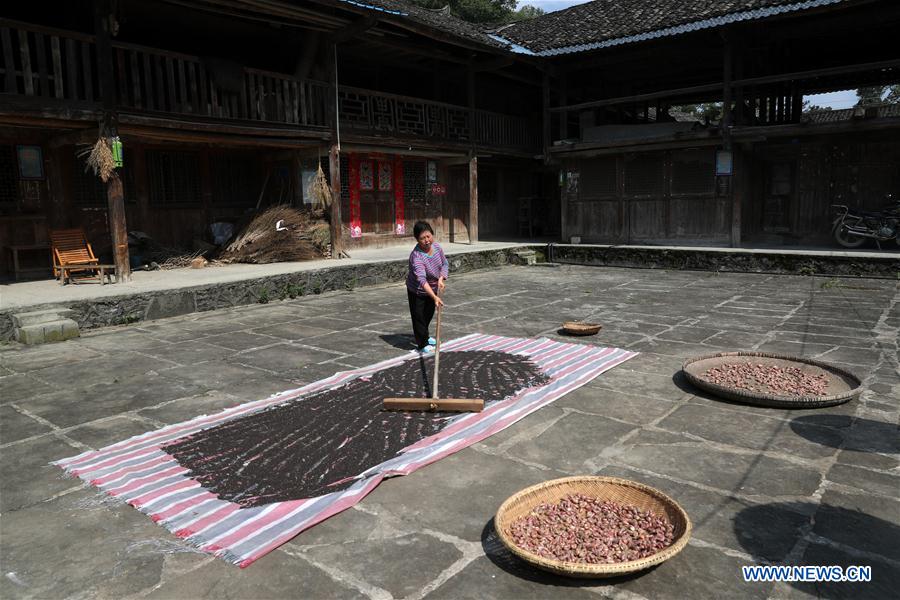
(437, 350)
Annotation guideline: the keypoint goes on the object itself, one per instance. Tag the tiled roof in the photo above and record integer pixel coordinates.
(836, 116)
(604, 23)
(441, 19)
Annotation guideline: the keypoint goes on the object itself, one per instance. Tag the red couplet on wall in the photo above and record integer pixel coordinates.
(355, 221)
(399, 204)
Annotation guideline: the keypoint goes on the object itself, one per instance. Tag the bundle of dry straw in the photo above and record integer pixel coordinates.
(280, 234)
(99, 158)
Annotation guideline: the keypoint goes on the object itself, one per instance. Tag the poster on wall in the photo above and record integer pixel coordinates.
(431, 172)
(385, 175)
(366, 175)
(31, 162)
(399, 198)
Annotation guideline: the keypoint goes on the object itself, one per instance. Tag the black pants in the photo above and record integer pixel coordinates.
(421, 309)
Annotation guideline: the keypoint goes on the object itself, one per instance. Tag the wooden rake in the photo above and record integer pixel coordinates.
(435, 403)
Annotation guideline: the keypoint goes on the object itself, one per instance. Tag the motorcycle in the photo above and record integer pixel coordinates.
(851, 228)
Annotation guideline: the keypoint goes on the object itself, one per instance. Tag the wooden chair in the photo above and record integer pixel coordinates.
(72, 252)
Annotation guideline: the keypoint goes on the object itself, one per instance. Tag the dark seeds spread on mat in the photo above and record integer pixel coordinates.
(769, 379)
(310, 446)
(582, 529)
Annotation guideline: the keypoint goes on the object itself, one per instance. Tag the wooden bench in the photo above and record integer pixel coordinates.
(102, 272)
(17, 268)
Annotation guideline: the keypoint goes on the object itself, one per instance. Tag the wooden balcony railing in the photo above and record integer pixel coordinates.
(47, 63)
(59, 68)
(385, 114)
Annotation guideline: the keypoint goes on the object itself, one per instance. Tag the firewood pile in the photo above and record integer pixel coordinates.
(280, 234)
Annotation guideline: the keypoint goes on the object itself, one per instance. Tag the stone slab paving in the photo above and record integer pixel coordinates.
(762, 486)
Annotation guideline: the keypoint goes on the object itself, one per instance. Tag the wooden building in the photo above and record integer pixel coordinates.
(225, 107)
(564, 126)
(635, 170)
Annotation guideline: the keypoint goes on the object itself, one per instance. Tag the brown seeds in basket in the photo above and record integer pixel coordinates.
(769, 379)
(582, 529)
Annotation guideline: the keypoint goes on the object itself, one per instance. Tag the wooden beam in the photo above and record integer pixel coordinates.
(473, 200)
(82, 136)
(751, 81)
(353, 29)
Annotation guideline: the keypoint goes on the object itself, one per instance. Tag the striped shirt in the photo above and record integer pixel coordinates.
(425, 269)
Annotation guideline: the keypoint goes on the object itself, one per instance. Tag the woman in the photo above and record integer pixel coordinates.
(428, 269)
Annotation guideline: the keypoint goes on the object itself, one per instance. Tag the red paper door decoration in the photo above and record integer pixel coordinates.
(355, 222)
(399, 217)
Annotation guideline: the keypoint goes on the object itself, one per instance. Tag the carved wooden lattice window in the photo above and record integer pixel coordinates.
(437, 120)
(458, 124)
(366, 175)
(411, 117)
(385, 175)
(173, 177)
(354, 110)
(414, 181)
(382, 113)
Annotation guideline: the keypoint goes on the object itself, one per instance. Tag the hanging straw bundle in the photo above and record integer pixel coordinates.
(320, 190)
(99, 159)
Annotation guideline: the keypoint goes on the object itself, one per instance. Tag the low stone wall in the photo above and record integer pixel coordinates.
(134, 308)
(734, 261)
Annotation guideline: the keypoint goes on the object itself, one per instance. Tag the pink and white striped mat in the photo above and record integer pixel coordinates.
(142, 473)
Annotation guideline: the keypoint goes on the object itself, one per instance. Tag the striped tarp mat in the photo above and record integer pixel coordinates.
(240, 483)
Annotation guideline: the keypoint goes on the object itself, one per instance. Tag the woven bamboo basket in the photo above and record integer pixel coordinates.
(843, 385)
(581, 328)
(614, 489)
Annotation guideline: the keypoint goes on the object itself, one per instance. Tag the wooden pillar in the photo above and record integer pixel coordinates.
(563, 116)
(563, 208)
(473, 120)
(545, 119)
(115, 199)
(334, 172)
(740, 181)
(473, 199)
(726, 94)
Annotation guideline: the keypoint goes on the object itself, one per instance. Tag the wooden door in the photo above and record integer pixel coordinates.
(778, 199)
(376, 195)
(456, 204)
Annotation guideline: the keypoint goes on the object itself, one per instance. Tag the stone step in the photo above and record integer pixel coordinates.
(52, 331)
(36, 317)
(525, 257)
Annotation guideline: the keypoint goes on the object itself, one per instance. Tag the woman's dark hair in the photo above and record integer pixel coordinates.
(420, 227)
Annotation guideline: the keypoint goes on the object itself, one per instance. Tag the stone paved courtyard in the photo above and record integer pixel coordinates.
(762, 486)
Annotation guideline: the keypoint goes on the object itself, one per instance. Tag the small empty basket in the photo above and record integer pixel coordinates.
(617, 490)
(581, 328)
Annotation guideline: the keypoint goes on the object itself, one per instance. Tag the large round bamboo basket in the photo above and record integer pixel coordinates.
(581, 328)
(843, 385)
(614, 489)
